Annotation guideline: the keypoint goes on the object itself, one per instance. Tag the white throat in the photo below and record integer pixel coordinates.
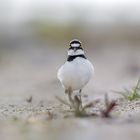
(78, 52)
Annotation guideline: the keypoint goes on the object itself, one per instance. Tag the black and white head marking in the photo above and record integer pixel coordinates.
(75, 43)
(75, 50)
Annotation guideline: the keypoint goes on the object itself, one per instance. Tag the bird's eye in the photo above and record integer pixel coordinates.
(71, 48)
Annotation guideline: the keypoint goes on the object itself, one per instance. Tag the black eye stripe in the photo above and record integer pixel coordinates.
(72, 48)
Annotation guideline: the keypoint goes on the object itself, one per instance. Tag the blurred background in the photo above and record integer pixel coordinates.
(35, 35)
(34, 38)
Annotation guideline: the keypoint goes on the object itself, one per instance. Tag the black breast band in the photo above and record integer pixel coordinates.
(72, 57)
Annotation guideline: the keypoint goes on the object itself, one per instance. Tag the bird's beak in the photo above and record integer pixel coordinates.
(75, 49)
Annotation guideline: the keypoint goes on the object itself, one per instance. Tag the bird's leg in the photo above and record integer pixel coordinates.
(80, 93)
(77, 104)
(80, 98)
(69, 92)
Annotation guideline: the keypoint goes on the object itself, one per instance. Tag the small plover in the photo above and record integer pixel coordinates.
(77, 70)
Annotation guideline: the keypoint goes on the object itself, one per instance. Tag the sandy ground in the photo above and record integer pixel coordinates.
(31, 71)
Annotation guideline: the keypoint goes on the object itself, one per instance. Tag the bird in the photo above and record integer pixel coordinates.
(77, 71)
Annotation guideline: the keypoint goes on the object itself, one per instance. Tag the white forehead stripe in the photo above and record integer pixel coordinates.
(75, 45)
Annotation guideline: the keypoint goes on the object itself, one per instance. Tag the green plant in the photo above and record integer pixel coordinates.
(77, 106)
(132, 94)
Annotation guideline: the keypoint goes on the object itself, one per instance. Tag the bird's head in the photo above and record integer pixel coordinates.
(75, 48)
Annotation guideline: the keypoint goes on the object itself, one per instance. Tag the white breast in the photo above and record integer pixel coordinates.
(75, 74)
